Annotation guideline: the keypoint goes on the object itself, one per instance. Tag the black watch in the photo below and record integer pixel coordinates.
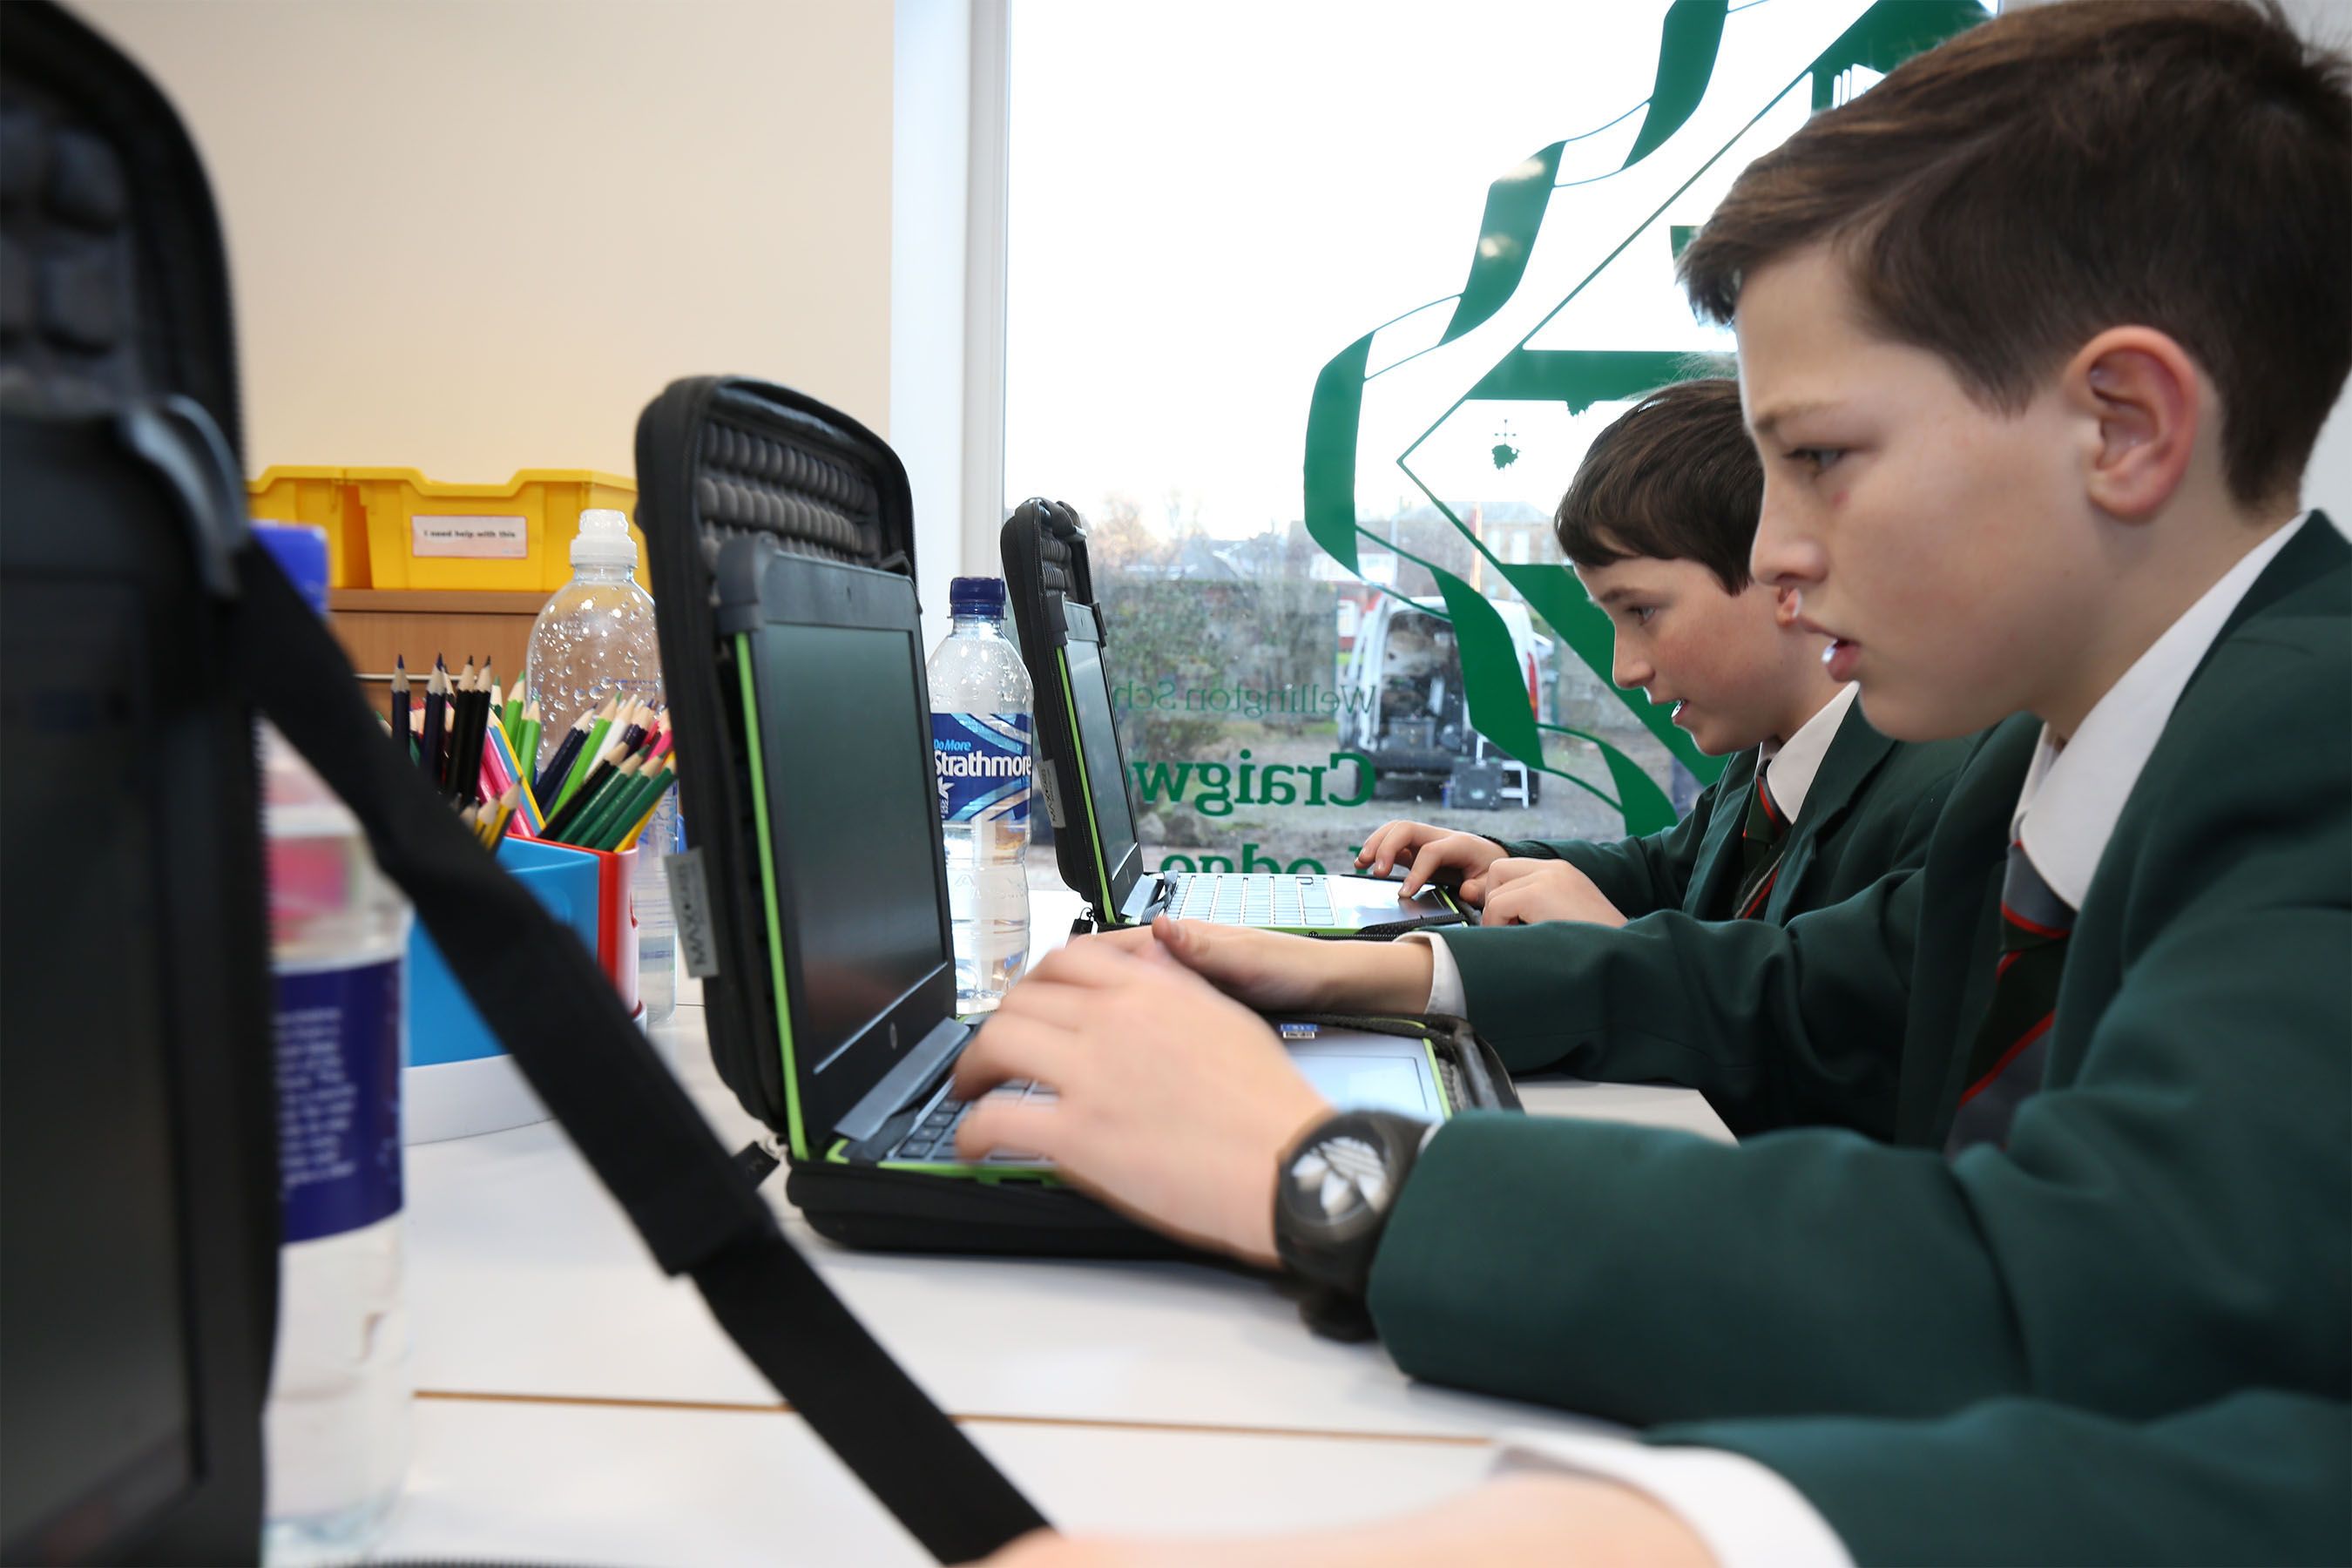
(1332, 1197)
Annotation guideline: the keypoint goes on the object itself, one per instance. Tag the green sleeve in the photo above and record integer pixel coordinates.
(2260, 1477)
(2171, 1220)
(1637, 875)
(1777, 1025)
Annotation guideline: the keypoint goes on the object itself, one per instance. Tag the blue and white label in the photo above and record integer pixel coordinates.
(985, 766)
(339, 1098)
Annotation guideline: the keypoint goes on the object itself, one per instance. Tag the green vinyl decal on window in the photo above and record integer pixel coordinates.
(1295, 655)
(1673, 149)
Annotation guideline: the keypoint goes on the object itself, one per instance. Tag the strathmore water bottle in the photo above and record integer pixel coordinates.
(980, 738)
(594, 638)
(336, 1426)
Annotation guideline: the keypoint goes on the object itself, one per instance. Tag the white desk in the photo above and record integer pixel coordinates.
(573, 1402)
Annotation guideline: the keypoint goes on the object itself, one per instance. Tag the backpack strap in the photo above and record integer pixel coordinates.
(548, 1002)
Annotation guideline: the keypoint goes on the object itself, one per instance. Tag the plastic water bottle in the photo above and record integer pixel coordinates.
(980, 738)
(336, 1426)
(594, 638)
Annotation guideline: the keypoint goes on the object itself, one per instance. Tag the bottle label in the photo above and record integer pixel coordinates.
(983, 765)
(339, 1098)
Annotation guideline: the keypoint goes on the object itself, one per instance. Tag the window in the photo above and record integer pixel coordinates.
(1251, 246)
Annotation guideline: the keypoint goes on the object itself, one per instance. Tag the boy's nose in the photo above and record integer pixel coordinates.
(1630, 670)
(1784, 554)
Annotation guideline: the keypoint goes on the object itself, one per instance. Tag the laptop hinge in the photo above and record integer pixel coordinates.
(915, 1070)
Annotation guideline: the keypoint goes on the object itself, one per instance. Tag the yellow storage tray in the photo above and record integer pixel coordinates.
(323, 498)
(517, 535)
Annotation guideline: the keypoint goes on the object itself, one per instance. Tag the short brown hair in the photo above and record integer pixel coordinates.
(1674, 478)
(2003, 198)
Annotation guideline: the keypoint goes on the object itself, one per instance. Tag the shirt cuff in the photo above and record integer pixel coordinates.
(1445, 976)
(1750, 1516)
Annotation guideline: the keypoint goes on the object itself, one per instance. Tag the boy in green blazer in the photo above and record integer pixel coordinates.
(2035, 339)
(1815, 805)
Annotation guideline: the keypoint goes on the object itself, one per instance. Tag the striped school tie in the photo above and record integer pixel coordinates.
(2012, 1049)
(1761, 838)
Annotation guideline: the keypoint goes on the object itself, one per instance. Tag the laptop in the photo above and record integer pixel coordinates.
(1083, 773)
(853, 881)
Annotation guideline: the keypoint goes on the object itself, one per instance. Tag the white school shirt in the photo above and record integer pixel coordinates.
(1748, 1514)
(1788, 769)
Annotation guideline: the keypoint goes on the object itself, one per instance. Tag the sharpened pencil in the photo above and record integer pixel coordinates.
(400, 704)
(436, 722)
(614, 796)
(551, 777)
(577, 804)
(590, 749)
(513, 714)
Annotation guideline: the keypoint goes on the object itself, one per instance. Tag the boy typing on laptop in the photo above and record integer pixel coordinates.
(1815, 807)
(2035, 337)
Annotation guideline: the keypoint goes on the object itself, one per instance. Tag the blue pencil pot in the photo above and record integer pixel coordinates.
(458, 1079)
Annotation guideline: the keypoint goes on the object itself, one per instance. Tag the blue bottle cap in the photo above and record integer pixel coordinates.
(976, 596)
(300, 551)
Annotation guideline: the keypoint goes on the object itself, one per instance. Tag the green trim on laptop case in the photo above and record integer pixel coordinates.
(798, 1142)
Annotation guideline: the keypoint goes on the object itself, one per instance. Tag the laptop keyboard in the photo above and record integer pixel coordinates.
(1238, 899)
(934, 1136)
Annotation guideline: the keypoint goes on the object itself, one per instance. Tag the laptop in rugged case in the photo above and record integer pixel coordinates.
(796, 679)
(1083, 771)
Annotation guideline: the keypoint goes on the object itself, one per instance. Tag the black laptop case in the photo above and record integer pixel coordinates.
(730, 464)
(730, 469)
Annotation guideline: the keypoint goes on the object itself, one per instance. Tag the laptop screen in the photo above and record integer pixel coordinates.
(1106, 770)
(847, 755)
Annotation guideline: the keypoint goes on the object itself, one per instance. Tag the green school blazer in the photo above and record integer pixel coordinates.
(2261, 1477)
(2171, 1220)
(1869, 812)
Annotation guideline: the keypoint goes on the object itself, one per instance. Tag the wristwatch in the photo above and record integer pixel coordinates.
(1332, 1195)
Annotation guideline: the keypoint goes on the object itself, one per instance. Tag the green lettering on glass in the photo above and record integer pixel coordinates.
(1363, 779)
(1690, 45)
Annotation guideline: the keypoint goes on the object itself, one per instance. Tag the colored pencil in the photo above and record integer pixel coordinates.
(576, 805)
(513, 714)
(619, 823)
(618, 791)
(558, 766)
(666, 771)
(436, 722)
(399, 703)
(526, 742)
(590, 749)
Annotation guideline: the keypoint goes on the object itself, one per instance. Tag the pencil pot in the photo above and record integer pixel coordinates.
(458, 1079)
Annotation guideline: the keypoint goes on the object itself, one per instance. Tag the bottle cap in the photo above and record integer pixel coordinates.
(603, 540)
(300, 551)
(976, 596)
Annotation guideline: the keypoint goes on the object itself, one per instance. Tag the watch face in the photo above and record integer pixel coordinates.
(1339, 1176)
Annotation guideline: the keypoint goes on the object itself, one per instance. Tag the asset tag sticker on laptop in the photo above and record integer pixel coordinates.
(1299, 1031)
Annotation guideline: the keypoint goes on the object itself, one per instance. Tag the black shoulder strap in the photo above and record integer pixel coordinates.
(545, 998)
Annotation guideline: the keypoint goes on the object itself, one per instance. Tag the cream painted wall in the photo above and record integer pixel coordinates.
(474, 236)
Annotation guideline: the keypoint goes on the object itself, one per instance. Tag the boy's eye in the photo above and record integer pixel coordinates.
(1816, 458)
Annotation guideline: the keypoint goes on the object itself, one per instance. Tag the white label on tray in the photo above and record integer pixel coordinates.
(482, 538)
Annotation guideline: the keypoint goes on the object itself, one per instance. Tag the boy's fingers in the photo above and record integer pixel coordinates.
(1431, 860)
(1474, 889)
(1014, 1045)
(1021, 1126)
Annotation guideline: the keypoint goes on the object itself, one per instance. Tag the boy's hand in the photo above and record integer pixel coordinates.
(1278, 973)
(1531, 1517)
(1522, 892)
(1173, 1103)
(1428, 849)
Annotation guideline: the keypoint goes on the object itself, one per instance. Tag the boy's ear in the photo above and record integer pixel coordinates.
(1788, 603)
(2149, 405)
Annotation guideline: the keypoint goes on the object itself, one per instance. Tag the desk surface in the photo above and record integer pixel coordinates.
(572, 1400)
